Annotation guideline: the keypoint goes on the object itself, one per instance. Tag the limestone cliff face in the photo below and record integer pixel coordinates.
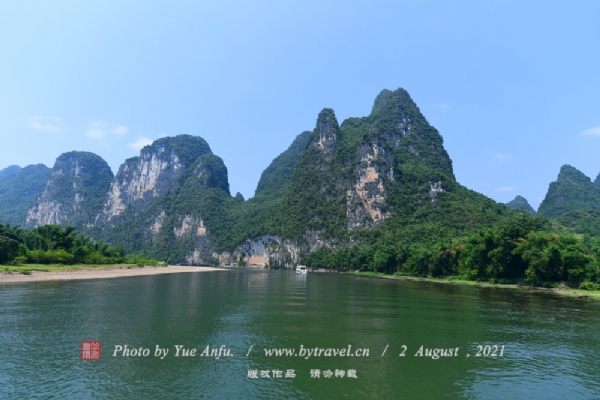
(374, 172)
(326, 132)
(201, 252)
(74, 191)
(176, 222)
(261, 252)
(152, 174)
(141, 179)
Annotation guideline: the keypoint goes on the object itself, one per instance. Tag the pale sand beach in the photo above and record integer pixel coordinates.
(39, 276)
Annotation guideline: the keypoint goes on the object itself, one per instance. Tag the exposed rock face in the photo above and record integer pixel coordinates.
(374, 171)
(45, 213)
(264, 251)
(201, 251)
(74, 191)
(152, 174)
(149, 176)
(157, 223)
(185, 228)
(326, 133)
(155, 200)
(436, 187)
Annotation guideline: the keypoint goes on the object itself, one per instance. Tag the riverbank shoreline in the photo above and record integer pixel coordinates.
(102, 272)
(563, 291)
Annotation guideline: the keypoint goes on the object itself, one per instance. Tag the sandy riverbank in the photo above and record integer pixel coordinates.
(38, 276)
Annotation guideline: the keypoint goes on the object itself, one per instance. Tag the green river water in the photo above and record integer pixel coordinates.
(548, 347)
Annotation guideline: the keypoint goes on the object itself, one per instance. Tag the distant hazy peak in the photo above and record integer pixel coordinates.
(10, 170)
(521, 203)
(597, 181)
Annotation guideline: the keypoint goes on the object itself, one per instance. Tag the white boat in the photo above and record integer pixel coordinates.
(301, 269)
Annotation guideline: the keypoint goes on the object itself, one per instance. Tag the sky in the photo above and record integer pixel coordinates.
(512, 86)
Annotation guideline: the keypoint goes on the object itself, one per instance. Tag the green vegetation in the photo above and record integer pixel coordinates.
(202, 193)
(312, 200)
(572, 191)
(582, 221)
(78, 183)
(520, 203)
(275, 179)
(19, 190)
(521, 249)
(316, 197)
(9, 171)
(187, 147)
(559, 288)
(304, 191)
(51, 244)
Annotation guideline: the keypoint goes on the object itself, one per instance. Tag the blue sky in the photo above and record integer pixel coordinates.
(513, 87)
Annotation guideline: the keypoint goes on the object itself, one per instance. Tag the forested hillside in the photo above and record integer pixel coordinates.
(571, 191)
(19, 189)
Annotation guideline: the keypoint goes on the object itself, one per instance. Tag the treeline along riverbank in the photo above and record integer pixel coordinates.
(521, 250)
(52, 244)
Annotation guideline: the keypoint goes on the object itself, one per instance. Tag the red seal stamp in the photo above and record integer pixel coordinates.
(90, 350)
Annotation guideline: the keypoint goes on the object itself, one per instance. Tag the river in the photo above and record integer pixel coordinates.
(352, 337)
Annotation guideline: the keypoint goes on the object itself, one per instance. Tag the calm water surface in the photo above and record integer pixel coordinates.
(551, 344)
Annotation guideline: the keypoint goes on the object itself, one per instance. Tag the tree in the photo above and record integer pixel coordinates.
(8, 249)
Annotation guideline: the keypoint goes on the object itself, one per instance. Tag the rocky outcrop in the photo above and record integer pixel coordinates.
(326, 133)
(150, 175)
(262, 252)
(374, 171)
(436, 187)
(157, 223)
(74, 191)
